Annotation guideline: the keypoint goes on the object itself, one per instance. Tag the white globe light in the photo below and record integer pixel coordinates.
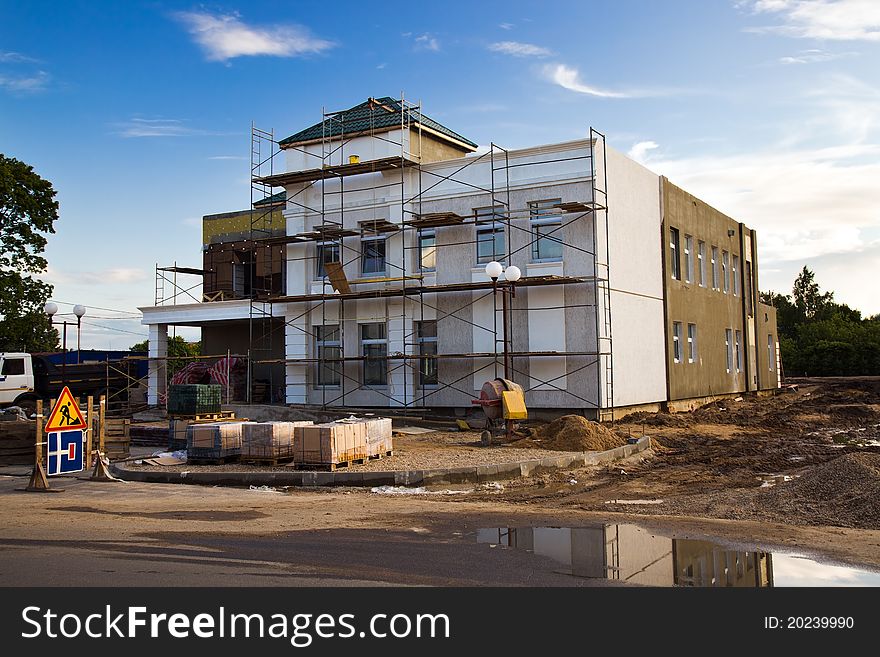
(512, 273)
(50, 308)
(79, 310)
(494, 269)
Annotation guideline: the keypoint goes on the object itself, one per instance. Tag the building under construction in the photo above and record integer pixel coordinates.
(360, 276)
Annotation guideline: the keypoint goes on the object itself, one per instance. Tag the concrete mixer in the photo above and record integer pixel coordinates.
(503, 402)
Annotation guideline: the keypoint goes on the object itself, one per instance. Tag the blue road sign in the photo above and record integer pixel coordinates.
(65, 452)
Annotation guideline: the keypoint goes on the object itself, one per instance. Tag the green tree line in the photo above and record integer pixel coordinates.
(818, 337)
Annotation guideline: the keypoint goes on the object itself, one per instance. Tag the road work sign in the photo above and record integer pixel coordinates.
(65, 415)
(65, 452)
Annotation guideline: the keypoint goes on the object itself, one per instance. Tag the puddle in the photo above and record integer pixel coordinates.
(631, 554)
(768, 481)
(420, 490)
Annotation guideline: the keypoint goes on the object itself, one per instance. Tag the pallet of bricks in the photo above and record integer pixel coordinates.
(268, 443)
(212, 443)
(190, 404)
(342, 443)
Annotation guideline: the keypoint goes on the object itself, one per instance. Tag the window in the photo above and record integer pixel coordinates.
(739, 362)
(546, 230)
(426, 337)
(733, 271)
(427, 250)
(327, 350)
(714, 267)
(771, 351)
(692, 343)
(13, 366)
(701, 263)
(676, 342)
(490, 234)
(327, 252)
(674, 256)
(688, 258)
(728, 344)
(373, 255)
(725, 270)
(374, 349)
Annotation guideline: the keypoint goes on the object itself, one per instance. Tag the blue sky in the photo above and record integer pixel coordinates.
(139, 113)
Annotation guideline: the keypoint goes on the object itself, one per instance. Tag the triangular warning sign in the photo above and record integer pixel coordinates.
(65, 415)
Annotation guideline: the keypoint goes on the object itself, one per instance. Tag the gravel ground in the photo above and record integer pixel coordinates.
(425, 451)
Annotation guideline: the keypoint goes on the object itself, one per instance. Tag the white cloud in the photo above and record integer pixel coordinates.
(814, 56)
(789, 196)
(837, 20)
(517, 49)
(138, 127)
(639, 150)
(110, 276)
(427, 42)
(505, 26)
(225, 36)
(382, 65)
(569, 78)
(24, 84)
(16, 58)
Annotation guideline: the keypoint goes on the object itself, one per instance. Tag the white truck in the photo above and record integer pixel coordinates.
(25, 378)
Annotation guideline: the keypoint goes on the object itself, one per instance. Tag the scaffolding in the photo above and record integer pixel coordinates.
(324, 229)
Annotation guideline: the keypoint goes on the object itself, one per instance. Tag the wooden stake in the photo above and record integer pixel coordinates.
(101, 473)
(39, 483)
(90, 430)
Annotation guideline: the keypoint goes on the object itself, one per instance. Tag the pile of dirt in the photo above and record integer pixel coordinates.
(844, 492)
(659, 419)
(574, 433)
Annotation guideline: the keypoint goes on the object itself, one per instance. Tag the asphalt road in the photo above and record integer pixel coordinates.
(128, 534)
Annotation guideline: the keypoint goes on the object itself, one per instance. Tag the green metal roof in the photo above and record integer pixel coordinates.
(276, 198)
(373, 114)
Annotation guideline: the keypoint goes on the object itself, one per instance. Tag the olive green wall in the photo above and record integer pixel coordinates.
(768, 376)
(434, 149)
(711, 310)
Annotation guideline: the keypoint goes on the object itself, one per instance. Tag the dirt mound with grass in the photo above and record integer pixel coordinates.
(574, 433)
(845, 492)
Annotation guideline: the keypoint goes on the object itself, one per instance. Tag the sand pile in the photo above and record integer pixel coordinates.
(574, 433)
(845, 492)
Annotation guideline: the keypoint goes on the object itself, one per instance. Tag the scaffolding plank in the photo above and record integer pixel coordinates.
(335, 171)
(528, 281)
(579, 206)
(337, 277)
(379, 226)
(435, 220)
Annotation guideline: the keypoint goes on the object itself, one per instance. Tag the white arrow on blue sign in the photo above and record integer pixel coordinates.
(65, 452)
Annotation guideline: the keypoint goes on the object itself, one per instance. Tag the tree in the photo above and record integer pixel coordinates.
(28, 211)
(807, 297)
(180, 352)
(818, 337)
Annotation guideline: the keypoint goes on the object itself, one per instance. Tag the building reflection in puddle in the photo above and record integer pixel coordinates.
(633, 555)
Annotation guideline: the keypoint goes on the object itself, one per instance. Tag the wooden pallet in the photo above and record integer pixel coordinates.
(215, 461)
(260, 460)
(382, 455)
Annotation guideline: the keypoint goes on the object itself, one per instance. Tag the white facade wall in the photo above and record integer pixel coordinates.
(636, 274)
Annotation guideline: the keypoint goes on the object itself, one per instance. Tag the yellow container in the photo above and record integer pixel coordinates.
(514, 405)
(354, 159)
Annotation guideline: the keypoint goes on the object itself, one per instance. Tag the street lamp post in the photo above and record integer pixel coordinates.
(512, 274)
(79, 310)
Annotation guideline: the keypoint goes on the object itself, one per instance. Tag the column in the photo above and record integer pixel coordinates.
(158, 366)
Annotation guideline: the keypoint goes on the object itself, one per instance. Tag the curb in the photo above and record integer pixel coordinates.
(476, 474)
